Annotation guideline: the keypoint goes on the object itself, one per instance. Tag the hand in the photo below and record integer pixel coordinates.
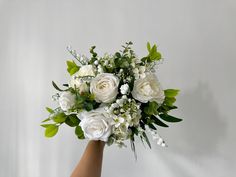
(90, 164)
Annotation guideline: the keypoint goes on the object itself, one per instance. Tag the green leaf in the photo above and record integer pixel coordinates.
(49, 110)
(59, 118)
(151, 108)
(158, 122)
(56, 87)
(46, 125)
(169, 101)
(150, 125)
(171, 92)
(147, 140)
(72, 68)
(153, 53)
(46, 120)
(149, 47)
(72, 120)
(79, 132)
(169, 118)
(51, 130)
(88, 106)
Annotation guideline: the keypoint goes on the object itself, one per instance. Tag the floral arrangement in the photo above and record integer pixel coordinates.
(113, 98)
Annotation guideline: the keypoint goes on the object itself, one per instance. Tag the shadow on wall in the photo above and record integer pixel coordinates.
(198, 136)
(203, 126)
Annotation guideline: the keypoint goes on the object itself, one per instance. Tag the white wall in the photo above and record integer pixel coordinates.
(197, 39)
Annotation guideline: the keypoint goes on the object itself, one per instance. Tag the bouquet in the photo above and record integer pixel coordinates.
(113, 98)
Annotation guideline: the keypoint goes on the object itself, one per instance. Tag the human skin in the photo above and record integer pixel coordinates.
(90, 165)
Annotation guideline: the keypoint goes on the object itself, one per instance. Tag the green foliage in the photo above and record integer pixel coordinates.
(46, 120)
(169, 118)
(94, 54)
(171, 93)
(151, 108)
(46, 125)
(85, 101)
(124, 59)
(147, 140)
(79, 132)
(153, 54)
(158, 122)
(56, 87)
(169, 101)
(72, 120)
(51, 130)
(49, 110)
(72, 67)
(59, 118)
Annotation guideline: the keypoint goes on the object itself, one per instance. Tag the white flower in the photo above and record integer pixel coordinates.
(96, 124)
(78, 83)
(148, 89)
(105, 87)
(118, 121)
(124, 89)
(66, 100)
(142, 69)
(100, 69)
(86, 70)
(96, 62)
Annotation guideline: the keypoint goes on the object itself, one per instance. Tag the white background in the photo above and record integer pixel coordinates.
(197, 39)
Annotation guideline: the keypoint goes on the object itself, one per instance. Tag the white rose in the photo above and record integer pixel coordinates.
(148, 89)
(124, 89)
(86, 70)
(77, 82)
(66, 100)
(105, 87)
(96, 124)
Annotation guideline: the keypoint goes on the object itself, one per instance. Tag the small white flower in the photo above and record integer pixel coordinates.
(96, 124)
(142, 69)
(96, 62)
(106, 62)
(100, 69)
(135, 71)
(114, 105)
(105, 87)
(148, 89)
(86, 70)
(124, 89)
(78, 83)
(124, 97)
(66, 100)
(143, 75)
(133, 64)
(120, 102)
(118, 121)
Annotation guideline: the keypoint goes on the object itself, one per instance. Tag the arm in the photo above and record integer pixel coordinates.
(90, 164)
